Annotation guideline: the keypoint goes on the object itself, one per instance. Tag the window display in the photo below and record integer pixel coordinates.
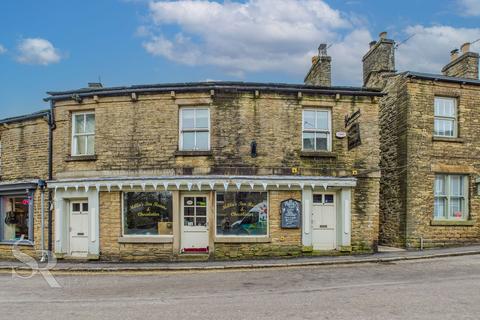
(242, 214)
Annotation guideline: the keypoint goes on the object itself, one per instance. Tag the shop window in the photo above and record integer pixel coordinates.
(445, 117)
(316, 130)
(242, 214)
(16, 216)
(83, 134)
(194, 129)
(148, 213)
(451, 197)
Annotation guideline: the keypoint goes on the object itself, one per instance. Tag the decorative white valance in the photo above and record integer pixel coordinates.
(203, 183)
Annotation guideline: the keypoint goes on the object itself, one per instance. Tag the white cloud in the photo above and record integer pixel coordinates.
(259, 35)
(470, 7)
(282, 36)
(429, 49)
(37, 51)
(2, 49)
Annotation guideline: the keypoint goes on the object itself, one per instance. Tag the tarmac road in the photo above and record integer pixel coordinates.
(443, 288)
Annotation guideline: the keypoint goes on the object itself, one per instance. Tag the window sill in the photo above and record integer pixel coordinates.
(447, 139)
(453, 223)
(11, 243)
(134, 239)
(242, 239)
(193, 153)
(318, 154)
(81, 158)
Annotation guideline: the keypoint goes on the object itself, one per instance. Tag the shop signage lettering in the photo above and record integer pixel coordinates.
(349, 119)
(291, 210)
(353, 136)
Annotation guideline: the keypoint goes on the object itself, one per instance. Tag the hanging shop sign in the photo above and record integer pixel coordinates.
(291, 211)
(353, 130)
(353, 136)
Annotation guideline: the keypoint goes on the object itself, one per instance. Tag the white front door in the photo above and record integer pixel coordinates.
(195, 223)
(324, 221)
(78, 229)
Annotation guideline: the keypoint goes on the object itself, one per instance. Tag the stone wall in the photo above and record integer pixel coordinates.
(24, 150)
(111, 229)
(141, 138)
(283, 242)
(320, 73)
(428, 156)
(411, 156)
(380, 59)
(365, 217)
(393, 146)
(465, 66)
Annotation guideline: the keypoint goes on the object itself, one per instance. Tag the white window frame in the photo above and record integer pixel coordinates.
(164, 236)
(447, 196)
(454, 118)
(195, 130)
(241, 236)
(315, 130)
(74, 143)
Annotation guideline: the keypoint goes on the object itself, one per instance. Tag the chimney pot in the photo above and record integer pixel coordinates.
(465, 47)
(383, 35)
(322, 49)
(372, 43)
(453, 54)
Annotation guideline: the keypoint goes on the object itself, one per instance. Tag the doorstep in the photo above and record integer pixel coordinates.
(193, 257)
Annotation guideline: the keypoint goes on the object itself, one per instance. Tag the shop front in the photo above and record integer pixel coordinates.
(168, 218)
(17, 212)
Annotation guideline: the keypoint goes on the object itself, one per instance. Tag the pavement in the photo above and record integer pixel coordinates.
(439, 289)
(387, 256)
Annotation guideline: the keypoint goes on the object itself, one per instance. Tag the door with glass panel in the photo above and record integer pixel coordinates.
(324, 221)
(78, 229)
(195, 223)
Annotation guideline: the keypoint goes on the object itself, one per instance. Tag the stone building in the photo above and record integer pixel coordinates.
(23, 166)
(224, 170)
(429, 149)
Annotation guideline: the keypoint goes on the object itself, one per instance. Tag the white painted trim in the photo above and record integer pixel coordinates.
(181, 182)
(73, 142)
(315, 130)
(180, 127)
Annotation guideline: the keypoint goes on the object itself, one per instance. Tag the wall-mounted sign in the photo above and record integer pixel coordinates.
(291, 211)
(341, 134)
(354, 139)
(349, 119)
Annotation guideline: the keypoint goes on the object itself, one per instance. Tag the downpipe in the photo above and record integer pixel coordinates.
(52, 127)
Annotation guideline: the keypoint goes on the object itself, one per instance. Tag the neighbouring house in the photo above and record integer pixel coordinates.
(429, 149)
(23, 170)
(222, 170)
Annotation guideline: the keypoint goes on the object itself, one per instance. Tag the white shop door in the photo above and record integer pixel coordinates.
(324, 222)
(195, 224)
(78, 229)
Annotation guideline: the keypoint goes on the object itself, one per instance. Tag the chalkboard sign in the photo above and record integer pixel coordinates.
(291, 213)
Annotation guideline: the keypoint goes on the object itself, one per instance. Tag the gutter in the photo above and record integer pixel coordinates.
(127, 91)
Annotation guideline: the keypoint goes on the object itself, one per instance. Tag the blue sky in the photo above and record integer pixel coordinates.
(58, 45)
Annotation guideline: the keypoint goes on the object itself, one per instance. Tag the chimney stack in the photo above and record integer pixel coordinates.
(464, 65)
(320, 73)
(378, 61)
(453, 54)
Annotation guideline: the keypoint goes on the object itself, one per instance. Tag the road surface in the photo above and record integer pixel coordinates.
(446, 288)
